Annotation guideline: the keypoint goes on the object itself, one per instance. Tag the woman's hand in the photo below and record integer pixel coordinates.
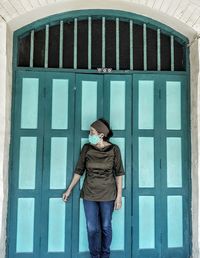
(118, 203)
(66, 195)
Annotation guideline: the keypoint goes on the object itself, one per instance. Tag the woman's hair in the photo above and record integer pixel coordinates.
(110, 134)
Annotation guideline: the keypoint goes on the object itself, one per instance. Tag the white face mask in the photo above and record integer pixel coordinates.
(94, 139)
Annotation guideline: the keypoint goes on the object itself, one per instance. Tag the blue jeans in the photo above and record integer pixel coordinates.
(98, 220)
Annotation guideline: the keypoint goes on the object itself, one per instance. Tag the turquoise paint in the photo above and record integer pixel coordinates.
(25, 225)
(176, 191)
(27, 162)
(146, 222)
(14, 165)
(146, 104)
(173, 105)
(58, 162)
(42, 162)
(84, 140)
(83, 244)
(126, 80)
(89, 108)
(60, 103)
(146, 161)
(118, 222)
(80, 134)
(162, 190)
(117, 104)
(175, 221)
(174, 162)
(131, 187)
(56, 225)
(83, 134)
(94, 71)
(29, 108)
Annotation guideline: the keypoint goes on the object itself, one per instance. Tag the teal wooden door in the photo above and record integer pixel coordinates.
(161, 174)
(51, 115)
(42, 161)
(104, 96)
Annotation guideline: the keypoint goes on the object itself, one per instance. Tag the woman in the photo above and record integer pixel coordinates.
(102, 187)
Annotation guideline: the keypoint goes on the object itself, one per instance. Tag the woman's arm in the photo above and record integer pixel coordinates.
(118, 200)
(78, 172)
(119, 172)
(70, 187)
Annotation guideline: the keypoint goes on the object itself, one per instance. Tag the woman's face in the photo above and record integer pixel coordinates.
(93, 131)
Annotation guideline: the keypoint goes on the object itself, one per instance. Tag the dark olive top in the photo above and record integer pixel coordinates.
(102, 165)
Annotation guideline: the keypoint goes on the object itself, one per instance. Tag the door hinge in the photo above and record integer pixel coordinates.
(74, 88)
(160, 163)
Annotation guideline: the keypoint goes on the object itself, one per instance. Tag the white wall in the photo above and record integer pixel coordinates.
(129, 6)
(195, 144)
(187, 11)
(5, 113)
(2, 129)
